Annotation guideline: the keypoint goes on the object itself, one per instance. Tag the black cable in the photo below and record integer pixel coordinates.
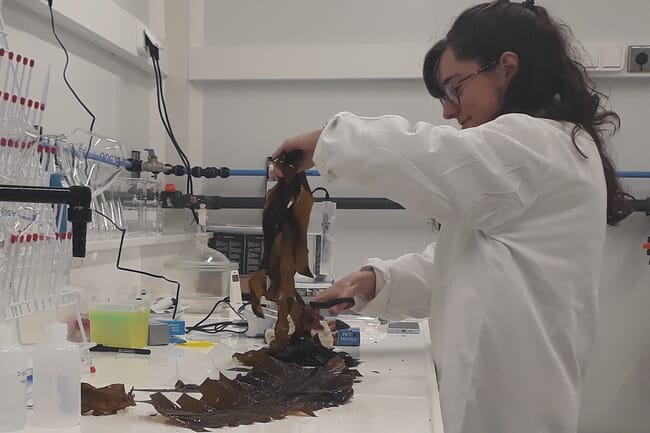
(170, 133)
(65, 78)
(154, 53)
(180, 151)
(220, 327)
(190, 183)
(172, 136)
(214, 307)
(320, 188)
(148, 274)
(164, 117)
(166, 122)
(214, 328)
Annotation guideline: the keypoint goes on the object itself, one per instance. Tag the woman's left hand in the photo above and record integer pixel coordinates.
(304, 142)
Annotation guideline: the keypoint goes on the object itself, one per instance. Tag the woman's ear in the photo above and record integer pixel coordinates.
(509, 62)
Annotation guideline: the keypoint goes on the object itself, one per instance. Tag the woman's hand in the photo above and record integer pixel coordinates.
(304, 142)
(360, 283)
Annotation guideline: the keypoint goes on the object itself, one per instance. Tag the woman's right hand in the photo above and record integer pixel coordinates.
(306, 143)
(361, 283)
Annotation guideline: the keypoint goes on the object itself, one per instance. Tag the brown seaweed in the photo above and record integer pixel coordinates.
(105, 401)
(301, 350)
(178, 387)
(284, 223)
(272, 390)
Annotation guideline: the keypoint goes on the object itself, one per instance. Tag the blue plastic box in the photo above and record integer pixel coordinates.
(176, 327)
(348, 337)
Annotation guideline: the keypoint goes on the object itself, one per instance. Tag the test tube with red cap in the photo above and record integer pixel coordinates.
(10, 65)
(14, 74)
(23, 67)
(5, 106)
(21, 268)
(3, 54)
(12, 260)
(40, 116)
(31, 266)
(37, 110)
(12, 108)
(32, 63)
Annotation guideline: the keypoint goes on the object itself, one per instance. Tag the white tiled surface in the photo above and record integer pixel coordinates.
(396, 394)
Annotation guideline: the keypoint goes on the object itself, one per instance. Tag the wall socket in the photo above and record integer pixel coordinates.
(638, 59)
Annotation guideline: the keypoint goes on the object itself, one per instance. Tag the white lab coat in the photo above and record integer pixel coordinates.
(512, 294)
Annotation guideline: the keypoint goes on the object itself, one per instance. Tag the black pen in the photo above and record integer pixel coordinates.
(102, 348)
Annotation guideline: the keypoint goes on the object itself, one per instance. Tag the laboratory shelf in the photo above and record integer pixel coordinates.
(137, 241)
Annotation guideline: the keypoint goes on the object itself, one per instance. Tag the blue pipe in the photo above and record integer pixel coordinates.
(263, 173)
(234, 172)
(633, 174)
(101, 157)
(109, 159)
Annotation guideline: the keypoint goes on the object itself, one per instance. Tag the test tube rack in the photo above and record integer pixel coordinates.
(18, 117)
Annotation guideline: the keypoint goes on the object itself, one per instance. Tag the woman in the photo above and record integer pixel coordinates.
(523, 191)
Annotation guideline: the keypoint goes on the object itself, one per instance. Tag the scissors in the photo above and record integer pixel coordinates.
(332, 302)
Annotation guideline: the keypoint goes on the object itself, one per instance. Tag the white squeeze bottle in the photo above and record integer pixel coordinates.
(13, 382)
(57, 380)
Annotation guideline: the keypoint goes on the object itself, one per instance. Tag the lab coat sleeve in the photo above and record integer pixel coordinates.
(404, 287)
(478, 178)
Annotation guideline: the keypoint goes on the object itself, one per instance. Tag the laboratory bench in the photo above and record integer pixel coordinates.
(397, 393)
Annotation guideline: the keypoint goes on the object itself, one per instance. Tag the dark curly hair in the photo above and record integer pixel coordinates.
(550, 82)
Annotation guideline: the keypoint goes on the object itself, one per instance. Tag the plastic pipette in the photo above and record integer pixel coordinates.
(32, 63)
(23, 68)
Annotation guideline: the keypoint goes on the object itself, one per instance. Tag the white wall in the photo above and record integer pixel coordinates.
(244, 120)
(251, 22)
(141, 9)
(117, 93)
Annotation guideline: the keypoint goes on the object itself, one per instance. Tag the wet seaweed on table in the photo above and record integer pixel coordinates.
(301, 350)
(105, 401)
(272, 390)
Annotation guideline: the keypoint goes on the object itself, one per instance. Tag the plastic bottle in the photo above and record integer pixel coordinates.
(13, 382)
(57, 380)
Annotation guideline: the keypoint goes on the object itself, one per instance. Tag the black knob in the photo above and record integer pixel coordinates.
(196, 171)
(210, 172)
(641, 59)
(178, 170)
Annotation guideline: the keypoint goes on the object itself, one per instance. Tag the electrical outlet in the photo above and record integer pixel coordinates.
(141, 46)
(638, 59)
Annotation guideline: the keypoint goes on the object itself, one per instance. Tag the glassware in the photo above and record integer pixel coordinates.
(90, 159)
(138, 203)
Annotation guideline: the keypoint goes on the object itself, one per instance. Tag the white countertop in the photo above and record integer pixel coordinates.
(397, 392)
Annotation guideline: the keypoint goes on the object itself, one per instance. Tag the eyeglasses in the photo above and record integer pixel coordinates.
(451, 91)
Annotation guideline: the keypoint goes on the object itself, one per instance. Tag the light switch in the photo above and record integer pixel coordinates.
(611, 56)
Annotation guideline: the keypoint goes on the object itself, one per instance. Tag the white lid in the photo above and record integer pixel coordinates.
(203, 215)
(7, 335)
(57, 331)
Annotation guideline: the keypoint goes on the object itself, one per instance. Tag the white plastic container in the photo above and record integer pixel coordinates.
(13, 382)
(57, 380)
